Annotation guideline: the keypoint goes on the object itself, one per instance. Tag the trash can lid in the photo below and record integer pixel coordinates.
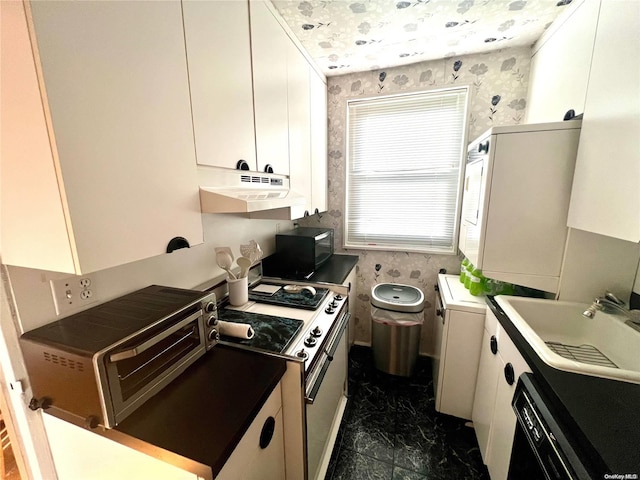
(397, 297)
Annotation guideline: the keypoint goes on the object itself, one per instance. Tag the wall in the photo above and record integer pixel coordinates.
(185, 268)
(26, 303)
(499, 83)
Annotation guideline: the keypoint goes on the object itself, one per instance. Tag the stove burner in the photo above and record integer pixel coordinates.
(338, 297)
(302, 354)
(330, 309)
(316, 332)
(310, 341)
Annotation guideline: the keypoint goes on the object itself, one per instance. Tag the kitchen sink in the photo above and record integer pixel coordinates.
(602, 346)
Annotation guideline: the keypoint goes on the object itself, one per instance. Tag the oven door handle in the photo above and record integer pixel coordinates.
(329, 351)
(138, 349)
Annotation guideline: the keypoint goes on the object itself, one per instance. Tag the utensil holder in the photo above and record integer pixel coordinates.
(238, 291)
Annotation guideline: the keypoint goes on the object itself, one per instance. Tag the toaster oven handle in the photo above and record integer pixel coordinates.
(138, 349)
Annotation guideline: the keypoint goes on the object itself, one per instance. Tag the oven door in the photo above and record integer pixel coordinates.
(138, 369)
(325, 396)
(323, 248)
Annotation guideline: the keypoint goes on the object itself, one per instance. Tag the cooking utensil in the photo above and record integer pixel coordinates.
(257, 249)
(247, 251)
(224, 259)
(226, 250)
(252, 251)
(245, 264)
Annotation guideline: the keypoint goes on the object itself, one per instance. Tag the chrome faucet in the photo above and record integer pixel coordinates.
(612, 304)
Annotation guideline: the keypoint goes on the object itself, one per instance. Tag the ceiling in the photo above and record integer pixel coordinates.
(345, 36)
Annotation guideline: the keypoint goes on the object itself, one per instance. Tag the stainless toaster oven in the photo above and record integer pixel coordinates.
(101, 364)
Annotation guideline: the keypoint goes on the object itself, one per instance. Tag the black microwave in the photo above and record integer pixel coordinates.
(304, 250)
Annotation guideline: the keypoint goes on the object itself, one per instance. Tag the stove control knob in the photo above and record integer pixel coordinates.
(310, 341)
(338, 297)
(210, 307)
(316, 332)
(329, 309)
(333, 304)
(212, 321)
(301, 354)
(214, 336)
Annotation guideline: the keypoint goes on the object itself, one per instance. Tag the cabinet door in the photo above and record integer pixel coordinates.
(115, 83)
(459, 363)
(485, 394)
(605, 198)
(440, 326)
(80, 453)
(319, 173)
(220, 82)
(560, 65)
(299, 127)
(269, 45)
(34, 219)
(249, 461)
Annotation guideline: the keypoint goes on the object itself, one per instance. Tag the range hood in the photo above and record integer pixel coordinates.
(228, 191)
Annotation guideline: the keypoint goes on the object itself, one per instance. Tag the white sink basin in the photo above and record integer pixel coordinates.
(602, 346)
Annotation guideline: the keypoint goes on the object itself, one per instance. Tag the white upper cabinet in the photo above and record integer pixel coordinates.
(219, 59)
(560, 64)
(319, 175)
(269, 45)
(98, 161)
(299, 99)
(605, 198)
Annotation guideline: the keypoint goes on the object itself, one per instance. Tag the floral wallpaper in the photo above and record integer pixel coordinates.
(346, 36)
(498, 83)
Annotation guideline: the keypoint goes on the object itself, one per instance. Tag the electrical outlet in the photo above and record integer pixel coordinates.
(72, 293)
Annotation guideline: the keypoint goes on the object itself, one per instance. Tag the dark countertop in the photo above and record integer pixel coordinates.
(602, 415)
(203, 414)
(335, 271)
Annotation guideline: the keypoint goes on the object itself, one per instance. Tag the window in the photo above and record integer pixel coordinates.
(404, 166)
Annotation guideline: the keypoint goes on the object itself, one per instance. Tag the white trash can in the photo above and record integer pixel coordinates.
(397, 315)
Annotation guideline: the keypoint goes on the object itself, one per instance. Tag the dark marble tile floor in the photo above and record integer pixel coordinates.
(391, 431)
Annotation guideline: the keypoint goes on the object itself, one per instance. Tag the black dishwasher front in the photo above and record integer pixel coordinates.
(541, 449)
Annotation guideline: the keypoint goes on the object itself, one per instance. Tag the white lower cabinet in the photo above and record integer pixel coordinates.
(249, 460)
(493, 417)
(81, 454)
(485, 396)
(458, 327)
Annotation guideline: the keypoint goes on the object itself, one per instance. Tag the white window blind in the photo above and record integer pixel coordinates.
(404, 165)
